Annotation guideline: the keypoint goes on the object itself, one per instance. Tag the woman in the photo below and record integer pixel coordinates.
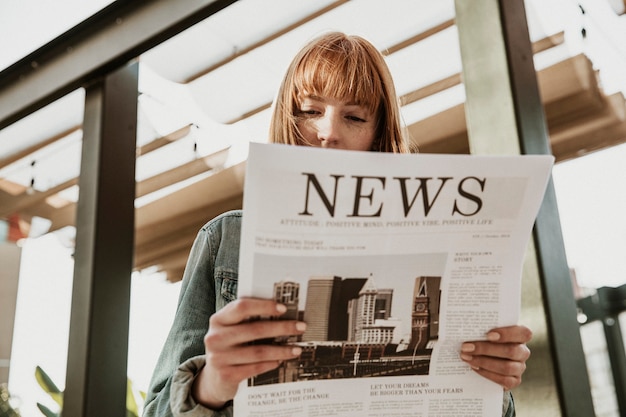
(337, 93)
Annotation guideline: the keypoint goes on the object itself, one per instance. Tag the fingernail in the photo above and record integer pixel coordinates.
(301, 326)
(281, 308)
(296, 351)
(493, 336)
(468, 347)
(466, 358)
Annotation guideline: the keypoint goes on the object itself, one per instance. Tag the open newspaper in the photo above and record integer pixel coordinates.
(393, 261)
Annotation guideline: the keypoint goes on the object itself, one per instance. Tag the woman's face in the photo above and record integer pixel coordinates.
(332, 123)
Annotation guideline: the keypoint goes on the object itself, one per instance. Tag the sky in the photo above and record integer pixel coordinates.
(35, 29)
(590, 192)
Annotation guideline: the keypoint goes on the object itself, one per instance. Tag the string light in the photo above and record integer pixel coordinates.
(31, 188)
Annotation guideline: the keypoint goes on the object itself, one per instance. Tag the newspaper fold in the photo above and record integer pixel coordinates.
(393, 260)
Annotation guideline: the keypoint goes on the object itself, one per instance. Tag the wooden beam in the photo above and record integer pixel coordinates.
(8, 160)
(239, 52)
(163, 140)
(26, 200)
(570, 93)
(181, 173)
(419, 37)
(217, 187)
(388, 51)
(455, 79)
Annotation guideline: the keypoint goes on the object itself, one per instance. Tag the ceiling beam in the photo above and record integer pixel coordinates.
(219, 186)
(418, 37)
(14, 197)
(34, 148)
(181, 172)
(164, 140)
(25, 200)
(577, 112)
(455, 79)
(16, 189)
(432, 88)
(387, 51)
(239, 52)
(172, 261)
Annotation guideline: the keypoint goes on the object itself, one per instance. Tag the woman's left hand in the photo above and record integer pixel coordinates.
(502, 357)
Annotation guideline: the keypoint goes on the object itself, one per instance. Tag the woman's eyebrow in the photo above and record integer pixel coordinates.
(314, 97)
(325, 100)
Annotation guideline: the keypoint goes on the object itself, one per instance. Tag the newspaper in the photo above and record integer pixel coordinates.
(393, 260)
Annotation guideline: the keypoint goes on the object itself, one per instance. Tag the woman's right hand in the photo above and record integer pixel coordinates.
(230, 358)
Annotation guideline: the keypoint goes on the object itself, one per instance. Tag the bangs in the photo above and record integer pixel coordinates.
(342, 71)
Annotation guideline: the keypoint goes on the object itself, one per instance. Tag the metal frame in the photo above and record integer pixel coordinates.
(98, 341)
(606, 305)
(558, 295)
(505, 115)
(109, 39)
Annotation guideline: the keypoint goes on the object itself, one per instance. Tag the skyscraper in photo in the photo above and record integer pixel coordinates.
(326, 307)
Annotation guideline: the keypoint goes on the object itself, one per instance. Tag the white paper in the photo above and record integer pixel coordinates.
(393, 260)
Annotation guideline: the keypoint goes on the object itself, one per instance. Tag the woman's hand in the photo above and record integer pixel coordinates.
(502, 358)
(230, 358)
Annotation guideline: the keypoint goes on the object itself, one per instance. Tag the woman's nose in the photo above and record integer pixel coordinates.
(328, 130)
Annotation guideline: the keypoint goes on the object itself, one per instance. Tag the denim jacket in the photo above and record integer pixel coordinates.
(209, 283)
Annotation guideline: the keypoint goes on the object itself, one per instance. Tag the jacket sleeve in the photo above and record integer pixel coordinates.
(181, 400)
(202, 293)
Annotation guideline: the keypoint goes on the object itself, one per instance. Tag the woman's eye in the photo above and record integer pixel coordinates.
(309, 112)
(355, 119)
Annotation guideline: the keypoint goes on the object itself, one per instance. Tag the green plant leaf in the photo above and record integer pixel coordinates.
(46, 383)
(131, 403)
(47, 412)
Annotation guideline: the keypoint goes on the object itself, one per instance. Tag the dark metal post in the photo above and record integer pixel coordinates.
(98, 341)
(558, 295)
(615, 346)
(606, 305)
(505, 116)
